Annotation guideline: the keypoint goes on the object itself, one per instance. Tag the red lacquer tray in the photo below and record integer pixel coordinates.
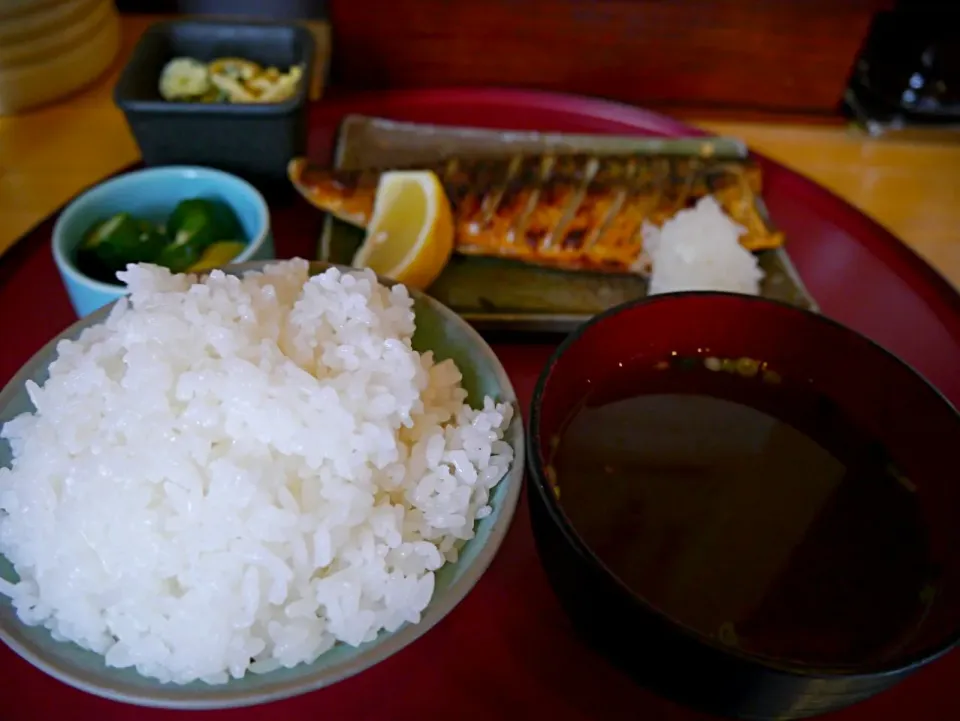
(507, 651)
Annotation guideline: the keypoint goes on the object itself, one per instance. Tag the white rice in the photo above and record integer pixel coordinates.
(699, 249)
(233, 475)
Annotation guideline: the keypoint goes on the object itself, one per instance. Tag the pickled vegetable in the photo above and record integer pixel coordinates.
(217, 254)
(227, 80)
(217, 217)
(184, 79)
(111, 244)
(193, 226)
(196, 226)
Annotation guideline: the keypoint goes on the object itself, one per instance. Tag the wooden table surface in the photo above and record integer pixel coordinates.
(910, 186)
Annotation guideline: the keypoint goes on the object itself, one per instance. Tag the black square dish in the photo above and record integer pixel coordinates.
(254, 141)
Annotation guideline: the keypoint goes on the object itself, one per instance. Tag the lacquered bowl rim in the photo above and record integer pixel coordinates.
(538, 479)
(165, 696)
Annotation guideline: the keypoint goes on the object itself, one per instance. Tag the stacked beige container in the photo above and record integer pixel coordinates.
(50, 48)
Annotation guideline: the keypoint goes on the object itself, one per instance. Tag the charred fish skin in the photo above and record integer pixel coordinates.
(569, 211)
(346, 194)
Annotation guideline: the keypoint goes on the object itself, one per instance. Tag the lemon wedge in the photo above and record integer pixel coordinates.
(410, 235)
(217, 254)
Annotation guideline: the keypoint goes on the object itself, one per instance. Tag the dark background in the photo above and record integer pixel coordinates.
(274, 8)
(791, 59)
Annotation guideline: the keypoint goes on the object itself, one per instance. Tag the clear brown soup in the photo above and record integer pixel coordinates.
(748, 508)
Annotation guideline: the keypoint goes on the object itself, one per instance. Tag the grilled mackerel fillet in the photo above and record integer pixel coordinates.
(576, 212)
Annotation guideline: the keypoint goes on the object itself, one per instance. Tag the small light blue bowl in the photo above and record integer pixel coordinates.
(152, 194)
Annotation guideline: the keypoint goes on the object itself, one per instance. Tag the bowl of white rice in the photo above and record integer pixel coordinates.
(228, 490)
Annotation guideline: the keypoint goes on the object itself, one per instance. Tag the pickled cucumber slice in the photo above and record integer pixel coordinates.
(217, 255)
